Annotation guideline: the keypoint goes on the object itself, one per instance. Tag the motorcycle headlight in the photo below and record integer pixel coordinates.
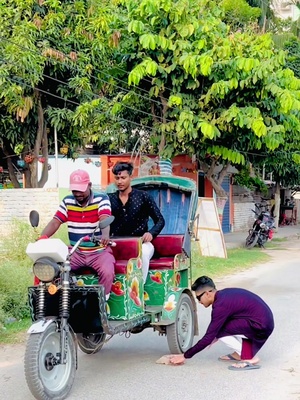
(263, 226)
(45, 269)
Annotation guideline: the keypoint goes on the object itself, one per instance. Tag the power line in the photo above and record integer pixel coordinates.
(17, 80)
(147, 98)
(89, 92)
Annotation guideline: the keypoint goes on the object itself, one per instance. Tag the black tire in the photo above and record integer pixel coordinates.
(251, 240)
(91, 343)
(55, 381)
(180, 335)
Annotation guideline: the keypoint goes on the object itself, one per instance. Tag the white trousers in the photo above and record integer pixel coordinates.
(147, 254)
(233, 342)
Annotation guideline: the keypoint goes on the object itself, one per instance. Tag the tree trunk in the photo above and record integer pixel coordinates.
(41, 145)
(44, 176)
(216, 181)
(8, 152)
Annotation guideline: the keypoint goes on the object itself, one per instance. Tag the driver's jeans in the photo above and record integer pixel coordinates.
(102, 262)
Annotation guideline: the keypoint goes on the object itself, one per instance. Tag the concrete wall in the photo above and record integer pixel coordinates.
(243, 216)
(59, 177)
(17, 203)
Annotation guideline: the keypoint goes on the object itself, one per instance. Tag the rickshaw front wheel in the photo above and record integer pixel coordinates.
(45, 376)
(91, 343)
(180, 335)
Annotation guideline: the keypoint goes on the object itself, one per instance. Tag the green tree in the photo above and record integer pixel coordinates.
(239, 14)
(292, 47)
(212, 93)
(43, 77)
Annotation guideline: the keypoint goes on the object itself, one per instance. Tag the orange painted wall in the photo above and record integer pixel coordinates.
(182, 165)
(208, 189)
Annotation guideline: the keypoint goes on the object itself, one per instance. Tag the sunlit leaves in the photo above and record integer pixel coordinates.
(136, 27)
(147, 67)
(148, 41)
(233, 156)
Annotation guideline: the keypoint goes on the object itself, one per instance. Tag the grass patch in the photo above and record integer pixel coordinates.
(237, 260)
(14, 332)
(15, 277)
(63, 192)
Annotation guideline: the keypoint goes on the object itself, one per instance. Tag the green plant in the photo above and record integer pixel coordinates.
(14, 332)
(15, 271)
(21, 233)
(243, 178)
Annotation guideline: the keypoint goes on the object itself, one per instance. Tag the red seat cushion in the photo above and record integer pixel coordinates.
(126, 248)
(161, 263)
(166, 248)
(168, 245)
(121, 266)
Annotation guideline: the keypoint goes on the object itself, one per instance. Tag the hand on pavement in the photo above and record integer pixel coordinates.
(177, 359)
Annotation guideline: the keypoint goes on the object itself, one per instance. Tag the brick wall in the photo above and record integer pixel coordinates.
(243, 216)
(17, 203)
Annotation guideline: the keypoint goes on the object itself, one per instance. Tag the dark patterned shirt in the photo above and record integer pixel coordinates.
(131, 219)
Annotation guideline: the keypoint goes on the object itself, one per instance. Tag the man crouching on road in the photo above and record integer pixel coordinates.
(240, 319)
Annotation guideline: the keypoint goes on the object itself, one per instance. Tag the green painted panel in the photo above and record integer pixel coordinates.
(126, 300)
(170, 304)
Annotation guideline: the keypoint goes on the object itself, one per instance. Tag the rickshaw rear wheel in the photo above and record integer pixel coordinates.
(45, 377)
(91, 343)
(180, 335)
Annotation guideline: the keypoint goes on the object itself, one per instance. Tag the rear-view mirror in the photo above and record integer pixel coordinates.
(34, 218)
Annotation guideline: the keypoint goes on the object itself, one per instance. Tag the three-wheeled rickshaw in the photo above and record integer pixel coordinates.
(69, 309)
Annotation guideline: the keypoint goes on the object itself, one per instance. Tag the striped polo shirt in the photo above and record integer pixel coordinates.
(82, 220)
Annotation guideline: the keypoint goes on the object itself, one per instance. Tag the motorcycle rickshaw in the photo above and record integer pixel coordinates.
(69, 310)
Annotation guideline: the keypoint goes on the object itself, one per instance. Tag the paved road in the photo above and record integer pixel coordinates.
(126, 369)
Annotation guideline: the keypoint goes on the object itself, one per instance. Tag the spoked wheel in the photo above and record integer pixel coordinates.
(91, 343)
(251, 240)
(46, 378)
(180, 335)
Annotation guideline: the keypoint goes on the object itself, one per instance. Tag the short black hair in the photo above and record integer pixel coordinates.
(203, 282)
(122, 166)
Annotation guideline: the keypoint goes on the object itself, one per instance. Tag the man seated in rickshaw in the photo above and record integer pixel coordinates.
(132, 208)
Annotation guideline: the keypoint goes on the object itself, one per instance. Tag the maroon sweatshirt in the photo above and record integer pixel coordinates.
(237, 312)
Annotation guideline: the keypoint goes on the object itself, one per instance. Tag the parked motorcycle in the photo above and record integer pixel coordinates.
(262, 230)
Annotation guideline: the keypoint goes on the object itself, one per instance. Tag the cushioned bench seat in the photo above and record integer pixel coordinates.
(125, 249)
(166, 248)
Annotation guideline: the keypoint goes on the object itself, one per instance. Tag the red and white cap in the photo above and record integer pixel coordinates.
(79, 180)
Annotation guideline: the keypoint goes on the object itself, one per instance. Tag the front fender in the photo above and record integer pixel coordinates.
(41, 325)
(169, 310)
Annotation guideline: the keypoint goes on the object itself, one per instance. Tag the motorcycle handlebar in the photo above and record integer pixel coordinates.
(87, 239)
(98, 239)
